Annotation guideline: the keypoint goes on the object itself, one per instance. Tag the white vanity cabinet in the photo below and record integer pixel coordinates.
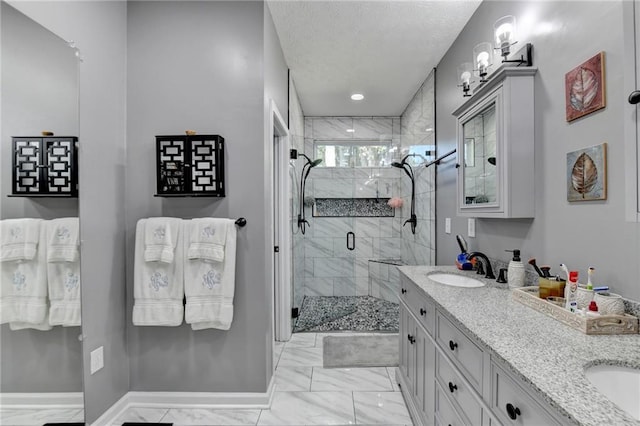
(495, 135)
(417, 353)
(448, 378)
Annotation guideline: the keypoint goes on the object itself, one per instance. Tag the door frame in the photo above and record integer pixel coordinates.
(279, 137)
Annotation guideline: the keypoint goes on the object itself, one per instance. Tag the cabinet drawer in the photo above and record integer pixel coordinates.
(458, 390)
(512, 405)
(446, 415)
(465, 354)
(419, 303)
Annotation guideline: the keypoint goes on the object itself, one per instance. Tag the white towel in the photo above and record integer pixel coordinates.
(158, 287)
(23, 288)
(160, 239)
(207, 237)
(43, 326)
(62, 239)
(19, 239)
(63, 277)
(210, 285)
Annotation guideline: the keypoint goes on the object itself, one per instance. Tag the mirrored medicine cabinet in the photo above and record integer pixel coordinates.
(495, 133)
(40, 83)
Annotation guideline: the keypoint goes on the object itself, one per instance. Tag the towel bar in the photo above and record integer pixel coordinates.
(241, 222)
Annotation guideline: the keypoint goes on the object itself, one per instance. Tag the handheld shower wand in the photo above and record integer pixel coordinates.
(302, 221)
(413, 220)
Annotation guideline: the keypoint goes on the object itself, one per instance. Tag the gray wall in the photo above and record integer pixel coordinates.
(99, 30)
(578, 234)
(35, 98)
(202, 66)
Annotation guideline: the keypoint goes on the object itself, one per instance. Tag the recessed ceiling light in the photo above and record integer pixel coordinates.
(357, 96)
(350, 130)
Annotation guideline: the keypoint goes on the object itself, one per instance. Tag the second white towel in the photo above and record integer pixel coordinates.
(210, 285)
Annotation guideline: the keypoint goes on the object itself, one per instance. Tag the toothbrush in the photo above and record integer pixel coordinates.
(590, 273)
(565, 269)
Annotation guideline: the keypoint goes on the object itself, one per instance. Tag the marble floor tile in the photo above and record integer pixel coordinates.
(309, 408)
(380, 407)
(351, 379)
(301, 357)
(141, 415)
(392, 377)
(36, 417)
(293, 378)
(302, 340)
(203, 416)
(278, 347)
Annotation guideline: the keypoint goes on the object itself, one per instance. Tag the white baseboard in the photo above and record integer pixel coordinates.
(209, 400)
(113, 412)
(41, 400)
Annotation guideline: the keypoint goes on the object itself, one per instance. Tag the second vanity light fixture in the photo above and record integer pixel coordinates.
(504, 31)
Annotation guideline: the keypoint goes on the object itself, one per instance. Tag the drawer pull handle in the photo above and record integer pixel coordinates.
(452, 345)
(512, 411)
(452, 387)
(422, 312)
(404, 290)
(411, 339)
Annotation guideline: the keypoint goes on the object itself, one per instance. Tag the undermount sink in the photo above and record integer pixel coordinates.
(621, 385)
(455, 280)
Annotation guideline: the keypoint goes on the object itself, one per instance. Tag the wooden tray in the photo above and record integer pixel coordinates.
(604, 324)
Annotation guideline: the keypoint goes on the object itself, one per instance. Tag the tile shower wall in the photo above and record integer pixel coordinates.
(330, 268)
(418, 129)
(296, 141)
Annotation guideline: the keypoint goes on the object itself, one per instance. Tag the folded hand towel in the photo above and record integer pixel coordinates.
(62, 239)
(23, 287)
(207, 238)
(210, 285)
(43, 326)
(19, 239)
(64, 293)
(160, 239)
(158, 287)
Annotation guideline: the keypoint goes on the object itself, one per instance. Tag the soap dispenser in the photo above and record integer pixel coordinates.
(515, 272)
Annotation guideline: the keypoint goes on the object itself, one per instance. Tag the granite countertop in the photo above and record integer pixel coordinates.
(546, 354)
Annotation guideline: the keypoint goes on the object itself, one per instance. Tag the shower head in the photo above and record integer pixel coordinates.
(398, 165)
(310, 162)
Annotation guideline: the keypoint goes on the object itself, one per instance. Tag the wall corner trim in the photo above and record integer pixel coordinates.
(188, 400)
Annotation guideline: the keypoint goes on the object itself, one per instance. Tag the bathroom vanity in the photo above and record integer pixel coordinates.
(475, 356)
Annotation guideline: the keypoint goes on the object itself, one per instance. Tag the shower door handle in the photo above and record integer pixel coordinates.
(351, 240)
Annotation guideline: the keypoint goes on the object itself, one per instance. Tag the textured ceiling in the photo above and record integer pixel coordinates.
(383, 49)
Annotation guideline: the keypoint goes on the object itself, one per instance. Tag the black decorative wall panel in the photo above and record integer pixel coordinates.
(190, 165)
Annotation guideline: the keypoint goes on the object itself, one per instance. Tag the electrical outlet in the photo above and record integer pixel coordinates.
(447, 225)
(97, 359)
(471, 227)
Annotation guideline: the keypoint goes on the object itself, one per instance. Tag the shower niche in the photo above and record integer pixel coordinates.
(190, 166)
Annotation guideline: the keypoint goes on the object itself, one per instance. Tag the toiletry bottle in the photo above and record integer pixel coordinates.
(515, 272)
(571, 292)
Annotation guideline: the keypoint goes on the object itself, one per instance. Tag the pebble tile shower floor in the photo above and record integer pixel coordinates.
(347, 313)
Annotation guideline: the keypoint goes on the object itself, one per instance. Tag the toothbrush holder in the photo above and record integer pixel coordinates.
(584, 297)
(609, 305)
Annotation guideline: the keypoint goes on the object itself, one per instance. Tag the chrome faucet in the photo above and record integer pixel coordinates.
(487, 263)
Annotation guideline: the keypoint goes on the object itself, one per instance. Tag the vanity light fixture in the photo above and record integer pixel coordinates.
(505, 34)
(482, 59)
(464, 75)
(357, 96)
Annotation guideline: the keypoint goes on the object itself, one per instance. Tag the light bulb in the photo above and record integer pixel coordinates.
(504, 33)
(465, 77)
(483, 59)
